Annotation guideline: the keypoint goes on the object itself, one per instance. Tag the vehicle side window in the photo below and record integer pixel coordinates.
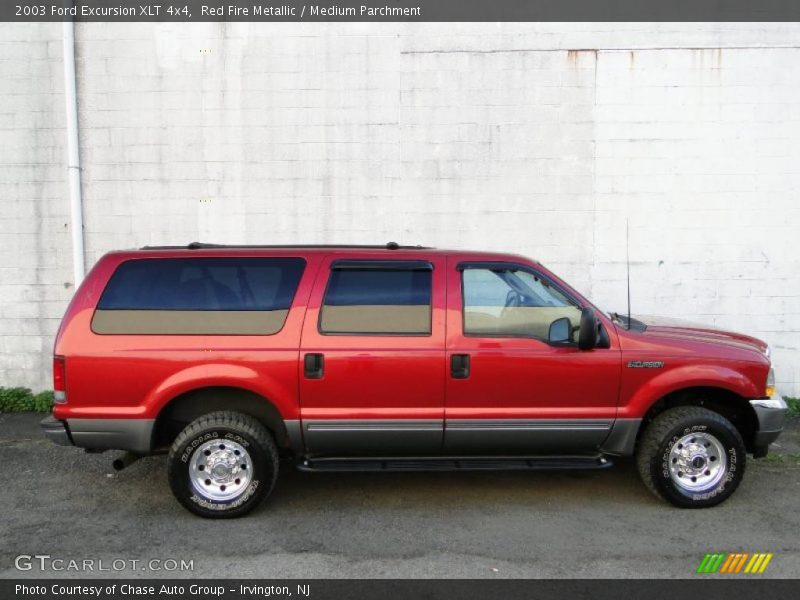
(513, 303)
(198, 296)
(377, 301)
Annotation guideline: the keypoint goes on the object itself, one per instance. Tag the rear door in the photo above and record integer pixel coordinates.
(372, 364)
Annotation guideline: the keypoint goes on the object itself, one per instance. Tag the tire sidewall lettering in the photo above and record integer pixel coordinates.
(196, 442)
(191, 447)
(663, 463)
(234, 437)
(235, 503)
(211, 435)
(210, 430)
(669, 445)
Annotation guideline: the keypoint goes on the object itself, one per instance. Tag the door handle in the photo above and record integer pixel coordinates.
(313, 366)
(459, 366)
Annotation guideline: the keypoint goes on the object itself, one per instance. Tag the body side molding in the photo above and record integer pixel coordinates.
(370, 436)
(525, 435)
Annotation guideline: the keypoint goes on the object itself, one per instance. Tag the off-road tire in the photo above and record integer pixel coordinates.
(654, 458)
(234, 430)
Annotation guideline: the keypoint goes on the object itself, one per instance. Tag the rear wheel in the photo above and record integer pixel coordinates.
(691, 457)
(223, 465)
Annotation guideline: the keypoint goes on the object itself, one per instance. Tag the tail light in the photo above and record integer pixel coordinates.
(59, 379)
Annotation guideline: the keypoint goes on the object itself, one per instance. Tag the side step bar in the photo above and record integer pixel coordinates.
(467, 463)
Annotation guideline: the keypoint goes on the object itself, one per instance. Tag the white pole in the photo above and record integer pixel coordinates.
(73, 153)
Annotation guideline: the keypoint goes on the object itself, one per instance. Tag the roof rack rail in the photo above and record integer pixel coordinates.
(204, 245)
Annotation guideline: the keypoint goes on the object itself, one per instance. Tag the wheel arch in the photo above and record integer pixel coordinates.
(721, 400)
(179, 411)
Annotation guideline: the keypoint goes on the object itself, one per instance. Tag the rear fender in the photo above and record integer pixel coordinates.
(223, 375)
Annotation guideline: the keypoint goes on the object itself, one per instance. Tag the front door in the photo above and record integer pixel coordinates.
(509, 390)
(372, 364)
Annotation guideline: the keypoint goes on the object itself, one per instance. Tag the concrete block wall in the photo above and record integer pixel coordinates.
(35, 268)
(542, 139)
(695, 148)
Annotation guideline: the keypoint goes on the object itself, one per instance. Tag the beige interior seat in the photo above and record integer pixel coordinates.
(377, 318)
(525, 321)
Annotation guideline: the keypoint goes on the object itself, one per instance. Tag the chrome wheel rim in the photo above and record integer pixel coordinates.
(697, 462)
(220, 470)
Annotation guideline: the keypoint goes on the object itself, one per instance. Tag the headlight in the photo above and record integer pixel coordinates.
(768, 352)
(770, 383)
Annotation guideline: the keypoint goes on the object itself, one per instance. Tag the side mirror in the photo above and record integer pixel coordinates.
(560, 331)
(589, 333)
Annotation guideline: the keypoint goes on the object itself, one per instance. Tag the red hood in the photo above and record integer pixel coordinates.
(676, 328)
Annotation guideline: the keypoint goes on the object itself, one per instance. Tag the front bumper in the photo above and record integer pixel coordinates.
(133, 435)
(771, 414)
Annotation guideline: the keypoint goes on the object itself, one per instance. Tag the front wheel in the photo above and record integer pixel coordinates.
(691, 457)
(222, 465)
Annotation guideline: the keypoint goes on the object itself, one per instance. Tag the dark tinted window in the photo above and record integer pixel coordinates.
(203, 284)
(198, 296)
(364, 287)
(390, 301)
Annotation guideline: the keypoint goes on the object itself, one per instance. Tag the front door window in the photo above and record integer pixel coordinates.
(513, 303)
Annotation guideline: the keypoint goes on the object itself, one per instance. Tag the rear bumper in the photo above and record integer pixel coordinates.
(133, 435)
(771, 414)
(56, 431)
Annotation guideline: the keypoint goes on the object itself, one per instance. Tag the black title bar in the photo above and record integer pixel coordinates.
(706, 587)
(399, 10)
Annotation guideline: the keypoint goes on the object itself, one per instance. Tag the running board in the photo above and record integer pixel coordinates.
(471, 463)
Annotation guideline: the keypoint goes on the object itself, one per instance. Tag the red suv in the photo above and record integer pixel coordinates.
(385, 358)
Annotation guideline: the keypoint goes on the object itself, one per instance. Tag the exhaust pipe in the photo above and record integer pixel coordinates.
(126, 460)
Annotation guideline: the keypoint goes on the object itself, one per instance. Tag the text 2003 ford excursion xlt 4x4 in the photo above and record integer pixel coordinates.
(393, 358)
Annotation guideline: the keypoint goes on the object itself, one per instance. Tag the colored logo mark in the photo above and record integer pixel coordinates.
(735, 562)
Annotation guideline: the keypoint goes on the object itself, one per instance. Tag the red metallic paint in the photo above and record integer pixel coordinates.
(689, 361)
(376, 376)
(392, 377)
(114, 376)
(523, 378)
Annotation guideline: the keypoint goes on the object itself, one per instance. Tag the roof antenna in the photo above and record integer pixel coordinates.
(628, 267)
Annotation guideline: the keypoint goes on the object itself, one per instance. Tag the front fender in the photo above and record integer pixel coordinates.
(684, 377)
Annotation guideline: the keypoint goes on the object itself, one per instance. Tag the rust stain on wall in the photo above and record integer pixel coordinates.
(707, 58)
(573, 56)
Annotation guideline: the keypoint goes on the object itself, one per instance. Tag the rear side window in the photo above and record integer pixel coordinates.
(198, 296)
(378, 299)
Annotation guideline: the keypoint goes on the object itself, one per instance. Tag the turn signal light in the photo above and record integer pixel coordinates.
(770, 391)
(59, 379)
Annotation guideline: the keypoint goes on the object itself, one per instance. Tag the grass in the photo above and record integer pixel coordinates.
(773, 458)
(21, 399)
(794, 406)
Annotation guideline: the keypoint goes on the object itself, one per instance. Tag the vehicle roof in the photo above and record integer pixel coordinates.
(206, 246)
(203, 249)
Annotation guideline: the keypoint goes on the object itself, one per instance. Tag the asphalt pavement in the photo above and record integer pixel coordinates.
(71, 506)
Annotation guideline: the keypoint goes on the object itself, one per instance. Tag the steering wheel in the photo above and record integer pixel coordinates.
(513, 300)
